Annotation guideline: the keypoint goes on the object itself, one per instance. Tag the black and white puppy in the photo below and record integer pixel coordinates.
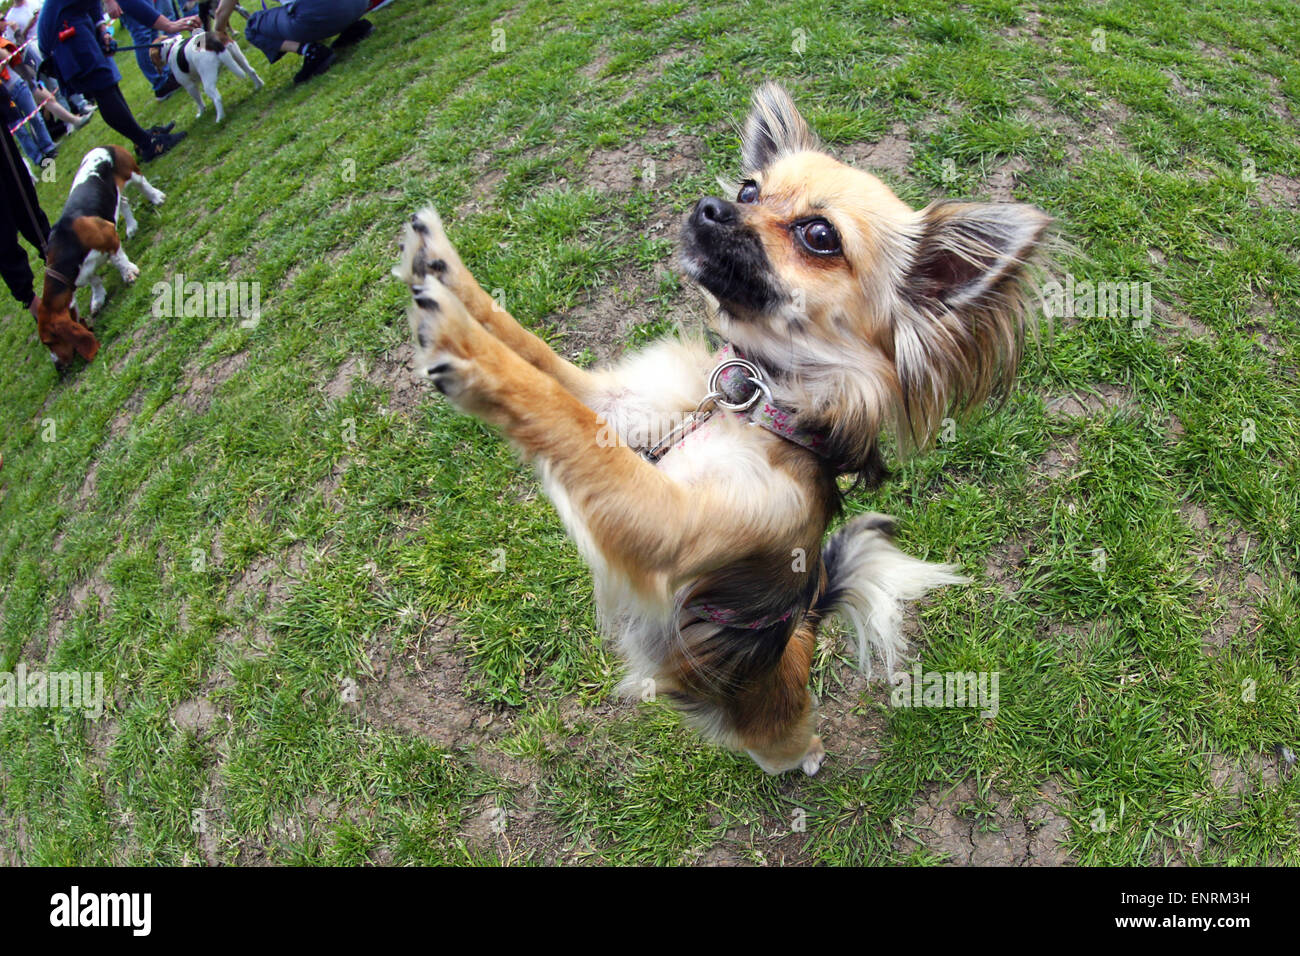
(198, 60)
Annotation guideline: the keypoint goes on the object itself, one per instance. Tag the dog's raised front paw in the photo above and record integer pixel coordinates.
(428, 256)
(439, 324)
(130, 272)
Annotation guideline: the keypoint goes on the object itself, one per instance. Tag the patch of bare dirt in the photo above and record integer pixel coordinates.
(199, 715)
(596, 67)
(126, 414)
(762, 842)
(850, 726)
(133, 344)
(1005, 562)
(421, 690)
(1231, 590)
(394, 373)
(890, 154)
(89, 484)
(602, 322)
(670, 157)
(203, 383)
(1002, 183)
(1031, 29)
(1181, 322)
(1085, 404)
(250, 644)
(510, 823)
(965, 830)
(1280, 191)
(1252, 774)
(270, 576)
(339, 386)
(1044, 116)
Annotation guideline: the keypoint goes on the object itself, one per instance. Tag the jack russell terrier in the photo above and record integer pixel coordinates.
(202, 56)
(84, 236)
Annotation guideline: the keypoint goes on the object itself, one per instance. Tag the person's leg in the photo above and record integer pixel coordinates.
(22, 96)
(112, 106)
(149, 144)
(281, 30)
(28, 143)
(141, 36)
(57, 110)
(20, 214)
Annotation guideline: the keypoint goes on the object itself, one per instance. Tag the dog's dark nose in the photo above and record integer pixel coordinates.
(713, 212)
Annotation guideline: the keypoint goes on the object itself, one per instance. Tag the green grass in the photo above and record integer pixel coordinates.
(262, 544)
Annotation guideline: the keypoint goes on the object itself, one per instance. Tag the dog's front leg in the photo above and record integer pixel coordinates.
(638, 522)
(128, 217)
(429, 257)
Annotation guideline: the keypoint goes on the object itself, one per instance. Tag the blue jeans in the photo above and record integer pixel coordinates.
(32, 134)
(142, 35)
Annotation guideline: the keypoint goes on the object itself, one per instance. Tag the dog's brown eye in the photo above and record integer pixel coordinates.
(819, 236)
(748, 192)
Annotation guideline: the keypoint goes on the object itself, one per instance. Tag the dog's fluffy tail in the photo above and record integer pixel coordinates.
(868, 579)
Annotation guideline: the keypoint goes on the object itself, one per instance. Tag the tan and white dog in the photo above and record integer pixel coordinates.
(846, 313)
(198, 60)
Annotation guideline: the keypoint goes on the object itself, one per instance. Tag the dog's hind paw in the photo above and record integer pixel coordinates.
(814, 758)
(130, 272)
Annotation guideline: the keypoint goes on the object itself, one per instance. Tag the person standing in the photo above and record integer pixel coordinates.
(143, 34)
(20, 214)
(70, 33)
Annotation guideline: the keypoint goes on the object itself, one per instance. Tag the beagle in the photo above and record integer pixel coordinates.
(84, 236)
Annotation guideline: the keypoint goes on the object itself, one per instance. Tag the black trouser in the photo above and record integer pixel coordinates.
(20, 212)
(112, 106)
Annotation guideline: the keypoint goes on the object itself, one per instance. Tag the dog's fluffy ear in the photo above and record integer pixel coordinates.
(774, 128)
(966, 249)
(959, 328)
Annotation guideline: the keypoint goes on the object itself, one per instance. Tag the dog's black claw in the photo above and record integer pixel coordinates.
(418, 225)
(438, 267)
(437, 375)
(425, 302)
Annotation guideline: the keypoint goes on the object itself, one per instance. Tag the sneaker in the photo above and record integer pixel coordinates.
(316, 59)
(161, 143)
(51, 153)
(166, 90)
(156, 130)
(354, 34)
(82, 120)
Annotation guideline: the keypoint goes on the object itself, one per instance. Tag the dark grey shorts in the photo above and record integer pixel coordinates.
(302, 20)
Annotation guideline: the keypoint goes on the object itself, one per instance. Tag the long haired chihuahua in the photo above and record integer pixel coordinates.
(699, 483)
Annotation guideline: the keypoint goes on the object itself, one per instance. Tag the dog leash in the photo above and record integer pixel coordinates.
(737, 385)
